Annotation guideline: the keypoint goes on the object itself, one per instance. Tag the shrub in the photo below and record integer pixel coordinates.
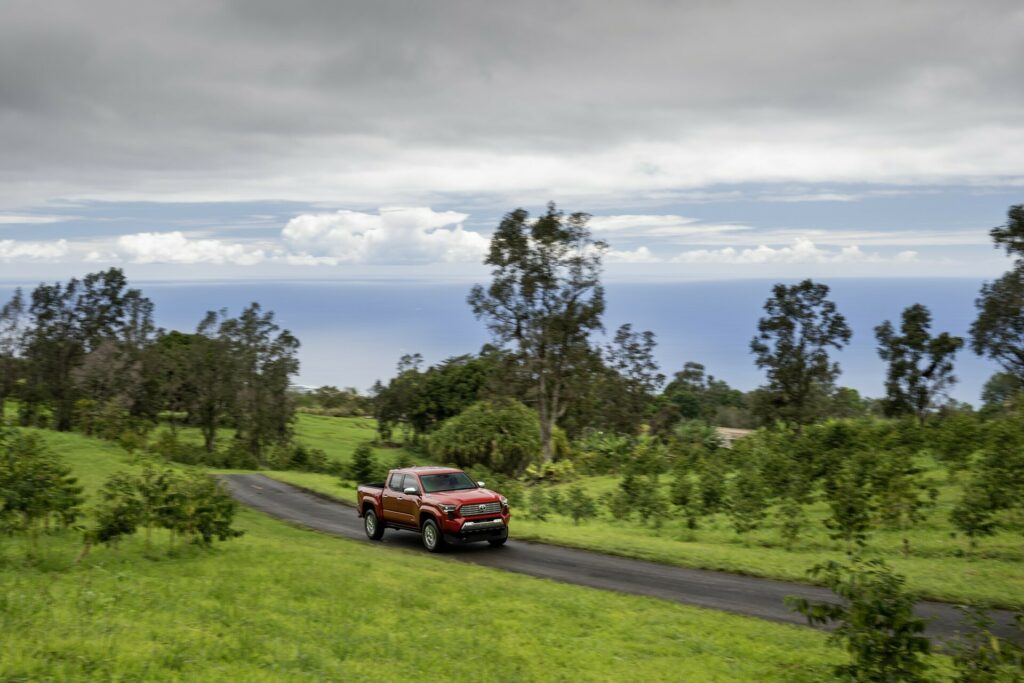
(579, 505)
(874, 622)
(36, 487)
(504, 436)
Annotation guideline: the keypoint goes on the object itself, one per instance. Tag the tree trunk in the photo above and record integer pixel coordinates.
(546, 419)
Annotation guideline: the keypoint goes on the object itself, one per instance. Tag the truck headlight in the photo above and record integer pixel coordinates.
(448, 509)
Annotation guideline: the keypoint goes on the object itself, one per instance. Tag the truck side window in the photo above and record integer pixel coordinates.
(410, 481)
(396, 482)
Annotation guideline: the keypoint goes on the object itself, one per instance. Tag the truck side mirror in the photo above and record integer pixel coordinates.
(481, 484)
(411, 491)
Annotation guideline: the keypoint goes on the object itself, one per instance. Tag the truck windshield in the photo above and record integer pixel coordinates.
(449, 481)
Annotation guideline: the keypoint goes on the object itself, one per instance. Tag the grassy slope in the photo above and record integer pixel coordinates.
(936, 567)
(288, 604)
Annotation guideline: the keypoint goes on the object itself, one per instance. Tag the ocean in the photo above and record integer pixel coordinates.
(353, 333)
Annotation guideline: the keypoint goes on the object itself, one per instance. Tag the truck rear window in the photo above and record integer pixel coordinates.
(450, 481)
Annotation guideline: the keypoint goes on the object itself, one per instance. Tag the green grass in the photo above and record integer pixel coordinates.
(288, 604)
(939, 567)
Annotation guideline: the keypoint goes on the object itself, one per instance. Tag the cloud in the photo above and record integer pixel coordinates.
(12, 250)
(175, 247)
(659, 226)
(391, 236)
(32, 219)
(638, 255)
(356, 102)
(802, 251)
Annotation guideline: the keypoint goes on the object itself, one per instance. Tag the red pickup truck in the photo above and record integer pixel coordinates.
(443, 504)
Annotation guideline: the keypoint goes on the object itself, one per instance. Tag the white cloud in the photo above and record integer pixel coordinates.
(32, 219)
(662, 226)
(811, 197)
(801, 251)
(12, 250)
(392, 236)
(175, 247)
(638, 255)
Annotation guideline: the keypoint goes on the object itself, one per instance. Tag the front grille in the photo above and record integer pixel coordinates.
(480, 509)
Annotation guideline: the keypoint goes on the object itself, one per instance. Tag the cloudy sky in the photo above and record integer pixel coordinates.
(332, 139)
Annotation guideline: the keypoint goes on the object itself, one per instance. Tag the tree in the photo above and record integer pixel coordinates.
(539, 505)
(998, 331)
(264, 359)
(36, 487)
(579, 505)
(902, 493)
(363, 467)
(12, 321)
(1011, 235)
(634, 379)
(792, 347)
(747, 500)
(1000, 393)
(545, 299)
(848, 494)
(920, 365)
(395, 403)
(874, 622)
(70, 322)
(500, 435)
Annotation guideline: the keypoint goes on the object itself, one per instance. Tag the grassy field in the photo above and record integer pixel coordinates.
(938, 567)
(288, 604)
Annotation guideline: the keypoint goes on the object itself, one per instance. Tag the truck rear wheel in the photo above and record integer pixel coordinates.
(372, 525)
(432, 538)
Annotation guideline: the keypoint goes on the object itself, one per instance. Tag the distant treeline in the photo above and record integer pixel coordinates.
(86, 355)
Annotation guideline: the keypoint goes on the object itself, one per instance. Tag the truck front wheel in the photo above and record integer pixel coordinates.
(432, 538)
(374, 529)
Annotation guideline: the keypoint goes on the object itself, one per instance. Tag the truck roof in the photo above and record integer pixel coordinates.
(428, 469)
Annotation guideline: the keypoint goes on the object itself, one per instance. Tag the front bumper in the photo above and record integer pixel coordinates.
(473, 530)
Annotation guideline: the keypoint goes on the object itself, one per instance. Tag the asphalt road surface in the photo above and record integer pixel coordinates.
(745, 595)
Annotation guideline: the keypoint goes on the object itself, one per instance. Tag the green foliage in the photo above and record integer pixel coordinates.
(920, 367)
(712, 486)
(363, 469)
(684, 496)
(792, 347)
(551, 472)
(974, 513)
(192, 505)
(544, 301)
(874, 623)
(955, 438)
(36, 487)
(539, 505)
(501, 435)
(602, 452)
(980, 656)
(747, 500)
(849, 497)
(579, 505)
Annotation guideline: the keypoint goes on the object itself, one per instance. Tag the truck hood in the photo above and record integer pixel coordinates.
(467, 497)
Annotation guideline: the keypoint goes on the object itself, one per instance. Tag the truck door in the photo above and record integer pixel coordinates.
(392, 498)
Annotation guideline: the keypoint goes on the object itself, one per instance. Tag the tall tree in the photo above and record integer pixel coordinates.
(792, 347)
(998, 331)
(69, 322)
(545, 299)
(264, 359)
(628, 386)
(12, 322)
(920, 365)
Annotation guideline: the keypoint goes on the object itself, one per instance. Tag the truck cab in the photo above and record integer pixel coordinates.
(443, 504)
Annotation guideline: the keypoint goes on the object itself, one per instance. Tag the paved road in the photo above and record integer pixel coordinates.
(715, 590)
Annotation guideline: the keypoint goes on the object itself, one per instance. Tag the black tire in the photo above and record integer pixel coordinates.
(497, 542)
(372, 525)
(433, 539)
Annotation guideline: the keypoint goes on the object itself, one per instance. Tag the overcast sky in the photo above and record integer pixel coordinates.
(362, 139)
